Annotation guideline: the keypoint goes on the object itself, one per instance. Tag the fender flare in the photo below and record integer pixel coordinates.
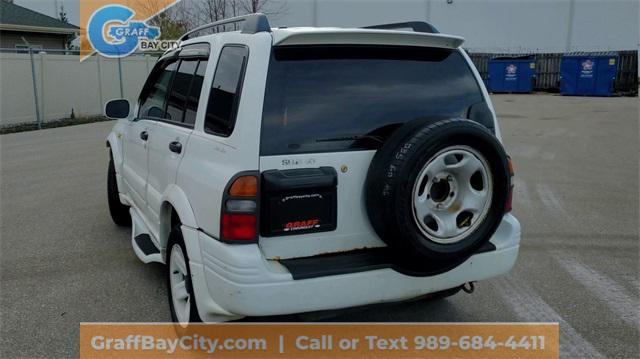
(176, 197)
(115, 145)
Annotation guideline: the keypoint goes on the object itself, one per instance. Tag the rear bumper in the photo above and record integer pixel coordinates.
(235, 281)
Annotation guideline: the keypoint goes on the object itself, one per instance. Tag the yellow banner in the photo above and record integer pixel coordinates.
(371, 340)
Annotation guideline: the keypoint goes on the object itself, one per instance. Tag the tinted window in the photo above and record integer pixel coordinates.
(225, 91)
(154, 95)
(324, 99)
(194, 94)
(180, 90)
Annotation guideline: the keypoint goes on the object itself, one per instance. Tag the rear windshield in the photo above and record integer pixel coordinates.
(337, 98)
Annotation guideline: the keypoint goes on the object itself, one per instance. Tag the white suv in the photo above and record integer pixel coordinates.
(290, 170)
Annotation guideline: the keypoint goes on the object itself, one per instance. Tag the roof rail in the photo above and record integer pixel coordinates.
(253, 23)
(416, 26)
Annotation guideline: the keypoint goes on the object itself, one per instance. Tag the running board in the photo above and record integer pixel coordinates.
(142, 243)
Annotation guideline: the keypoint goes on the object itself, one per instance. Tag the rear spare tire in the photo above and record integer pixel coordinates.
(436, 191)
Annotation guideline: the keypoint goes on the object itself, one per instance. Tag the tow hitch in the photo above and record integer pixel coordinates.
(468, 287)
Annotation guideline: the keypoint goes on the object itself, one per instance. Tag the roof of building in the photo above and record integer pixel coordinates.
(18, 18)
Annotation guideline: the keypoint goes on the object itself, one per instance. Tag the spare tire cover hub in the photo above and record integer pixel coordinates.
(452, 194)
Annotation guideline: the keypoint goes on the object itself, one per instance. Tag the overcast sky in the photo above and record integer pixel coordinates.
(47, 7)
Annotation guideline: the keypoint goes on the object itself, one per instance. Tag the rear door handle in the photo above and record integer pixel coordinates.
(144, 135)
(175, 147)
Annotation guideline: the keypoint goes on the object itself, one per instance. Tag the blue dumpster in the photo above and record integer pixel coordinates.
(512, 74)
(588, 75)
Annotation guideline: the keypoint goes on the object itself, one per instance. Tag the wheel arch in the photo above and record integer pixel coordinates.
(175, 209)
(114, 144)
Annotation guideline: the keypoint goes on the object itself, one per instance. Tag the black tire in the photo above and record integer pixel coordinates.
(176, 239)
(119, 212)
(393, 173)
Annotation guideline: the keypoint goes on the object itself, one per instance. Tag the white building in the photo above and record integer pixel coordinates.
(511, 26)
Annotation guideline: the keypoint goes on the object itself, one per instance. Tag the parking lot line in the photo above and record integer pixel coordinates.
(527, 306)
(550, 199)
(615, 296)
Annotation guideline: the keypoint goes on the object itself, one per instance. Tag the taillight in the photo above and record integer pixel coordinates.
(509, 203)
(239, 220)
(244, 186)
(239, 227)
(508, 207)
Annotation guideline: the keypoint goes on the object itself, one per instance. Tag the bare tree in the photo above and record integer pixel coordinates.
(252, 6)
(268, 7)
(185, 12)
(213, 10)
(234, 6)
(189, 14)
(173, 22)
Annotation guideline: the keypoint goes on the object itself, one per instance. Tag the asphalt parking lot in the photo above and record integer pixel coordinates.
(63, 261)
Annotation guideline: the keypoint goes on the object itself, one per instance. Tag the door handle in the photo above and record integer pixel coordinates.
(144, 135)
(175, 147)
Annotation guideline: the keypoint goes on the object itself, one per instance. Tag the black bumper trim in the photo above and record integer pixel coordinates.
(364, 260)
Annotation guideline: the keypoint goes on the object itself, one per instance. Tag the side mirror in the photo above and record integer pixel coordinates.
(117, 109)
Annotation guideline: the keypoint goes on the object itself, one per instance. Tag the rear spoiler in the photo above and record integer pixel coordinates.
(364, 37)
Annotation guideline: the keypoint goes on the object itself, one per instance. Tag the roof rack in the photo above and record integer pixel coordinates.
(416, 26)
(253, 23)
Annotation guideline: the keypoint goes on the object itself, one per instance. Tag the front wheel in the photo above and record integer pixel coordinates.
(182, 302)
(119, 212)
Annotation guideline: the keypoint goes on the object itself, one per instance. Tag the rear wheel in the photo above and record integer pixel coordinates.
(182, 301)
(119, 212)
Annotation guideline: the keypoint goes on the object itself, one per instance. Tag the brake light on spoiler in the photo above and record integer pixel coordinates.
(239, 218)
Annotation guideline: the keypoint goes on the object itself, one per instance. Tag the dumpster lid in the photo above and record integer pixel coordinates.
(515, 57)
(592, 54)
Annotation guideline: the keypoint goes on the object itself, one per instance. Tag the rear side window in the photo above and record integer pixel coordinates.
(345, 98)
(180, 90)
(154, 96)
(225, 92)
(194, 94)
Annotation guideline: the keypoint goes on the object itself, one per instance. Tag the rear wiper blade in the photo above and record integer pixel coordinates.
(351, 138)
